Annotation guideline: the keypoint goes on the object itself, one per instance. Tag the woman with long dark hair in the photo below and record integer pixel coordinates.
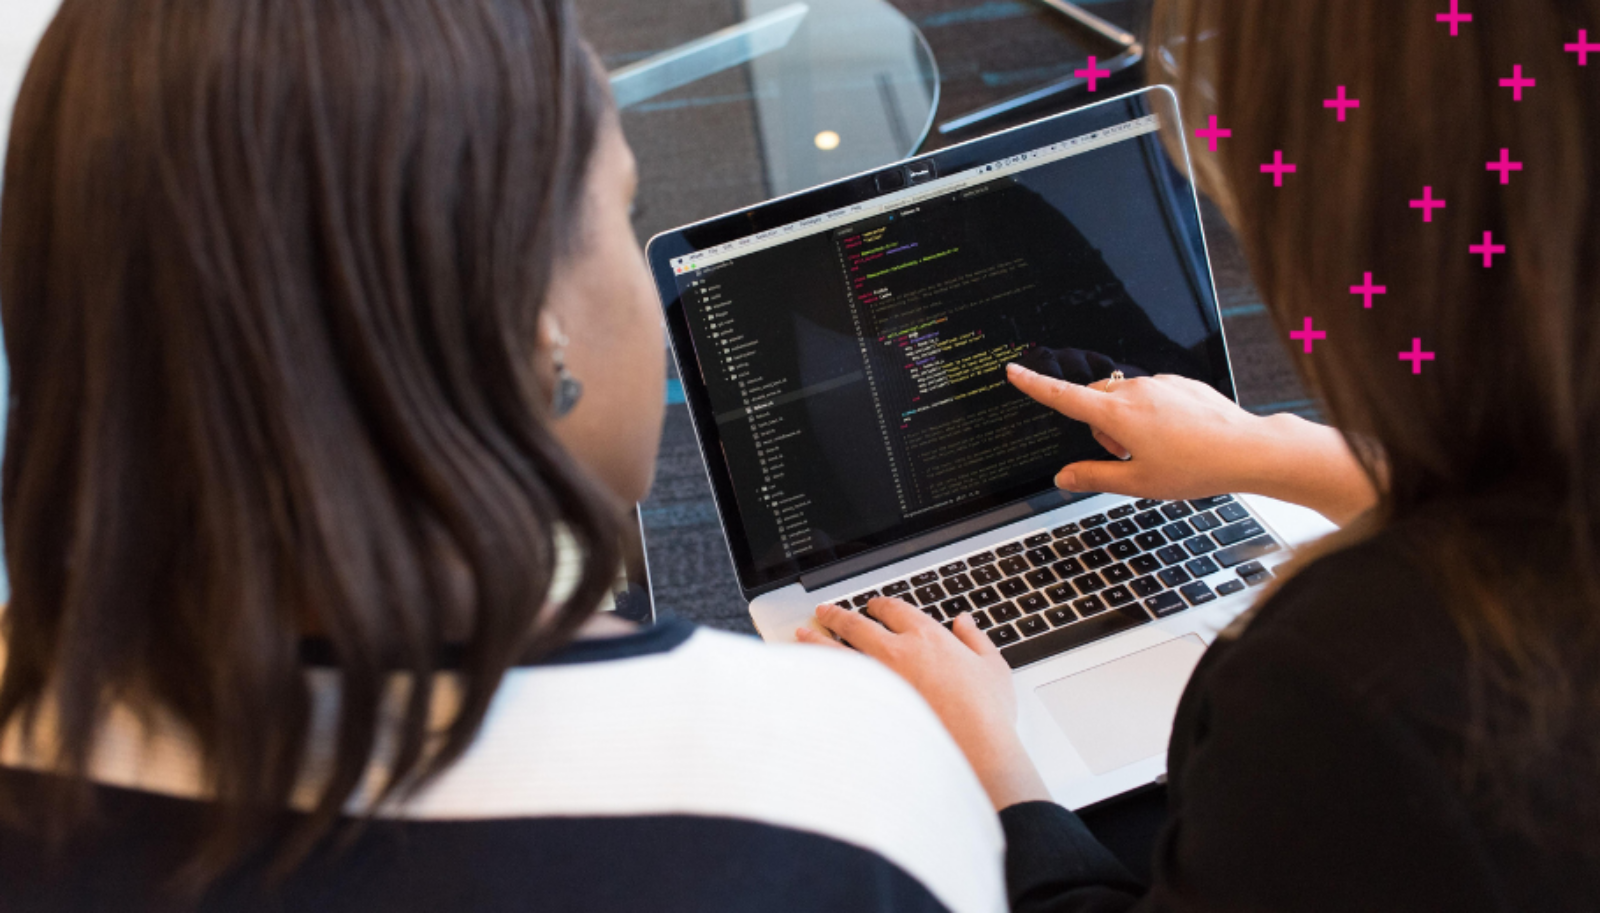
(1412, 720)
(334, 364)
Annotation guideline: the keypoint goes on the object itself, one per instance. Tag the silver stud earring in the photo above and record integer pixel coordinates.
(568, 388)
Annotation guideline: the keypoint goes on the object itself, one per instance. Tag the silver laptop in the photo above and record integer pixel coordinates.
(842, 353)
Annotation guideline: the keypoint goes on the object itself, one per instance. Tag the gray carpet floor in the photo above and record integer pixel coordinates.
(699, 155)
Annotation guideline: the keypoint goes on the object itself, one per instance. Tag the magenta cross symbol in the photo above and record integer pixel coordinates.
(1583, 48)
(1416, 356)
(1277, 168)
(1427, 204)
(1366, 290)
(1308, 335)
(1342, 103)
(1505, 166)
(1488, 249)
(1213, 133)
(1516, 82)
(1092, 74)
(1455, 17)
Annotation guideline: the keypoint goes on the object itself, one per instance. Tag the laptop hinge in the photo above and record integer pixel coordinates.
(944, 535)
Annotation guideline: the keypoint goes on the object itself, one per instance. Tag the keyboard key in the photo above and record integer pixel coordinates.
(1013, 565)
(1009, 549)
(1089, 583)
(1033, 602)
(1149, 520)
(1258, 579)
(949, 626)
(960, 583)
(1165, 604)
(1208, 503)
(1071, 567)
(986, 574)
(1061, 592)
(1238, 532)
(954, 607)
(1177, 532)
(1070, 546)
(1173, 554)
(1253, 567)
(1095, 538)
(925, 579)
(1117, 596)
(1150, 541)
(1062, 532)
(930, 594)
(1199, 545)
(1177, 510)
(1004, 635)
(1076, 635)
(1246, 551)
(1232, 513)
(980, 559)
(1012, 587)
(1089, 605)
(1117, 513)
(1144, 564)
(1039, 577)
(985, 597)
(1122, 529)
(898, 588)
(1229, 587)
(932, 613)
(1123, 549)
(1089, 522)
(1146, 503)
(1197, 593)
(1174, 576)
(954, 567)
(1205, 522)
(981, 619)
(1117, 573)
(1145, 586)
(1095, 559)
(1061, 616)
(1039, 557)
(1037, 540)
(1201, 567)
(1005, 611)
(862, 599)
(1032, 625)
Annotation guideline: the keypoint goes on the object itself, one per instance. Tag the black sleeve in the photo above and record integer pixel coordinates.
(1299, 791)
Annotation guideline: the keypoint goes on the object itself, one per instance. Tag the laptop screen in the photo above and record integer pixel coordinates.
(853, 362)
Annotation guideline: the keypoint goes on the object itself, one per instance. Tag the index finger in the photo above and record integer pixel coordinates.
(1085, 404)
(864, 634)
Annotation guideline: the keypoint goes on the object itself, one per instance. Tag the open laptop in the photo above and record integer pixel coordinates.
(842, 352)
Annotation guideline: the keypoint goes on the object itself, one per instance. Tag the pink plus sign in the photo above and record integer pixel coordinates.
(1583, 48)
(1505, 166)
(1342, 103)
(1416, 356)
(1213, 133)
(1366, 290)
(1427, 204)
(1516, 82)
(1455, 17)
(1278, 168)
(1488, 248)
(1092, 74)
(1308, 335)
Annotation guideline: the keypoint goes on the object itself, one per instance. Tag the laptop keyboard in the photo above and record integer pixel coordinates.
(1049, 592)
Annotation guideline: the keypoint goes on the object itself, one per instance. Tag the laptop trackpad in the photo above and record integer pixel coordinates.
(1121, 711)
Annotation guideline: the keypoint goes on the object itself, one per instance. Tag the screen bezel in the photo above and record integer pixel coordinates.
(862, 187)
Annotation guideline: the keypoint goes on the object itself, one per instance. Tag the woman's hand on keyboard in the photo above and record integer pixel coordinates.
(1179, 438)
(960, 674)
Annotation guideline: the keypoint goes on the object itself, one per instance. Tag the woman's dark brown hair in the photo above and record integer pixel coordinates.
(271, 273)
(1511, 405)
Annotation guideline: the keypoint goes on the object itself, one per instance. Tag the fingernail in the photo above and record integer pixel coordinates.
(1067, 479)
(1013, 369)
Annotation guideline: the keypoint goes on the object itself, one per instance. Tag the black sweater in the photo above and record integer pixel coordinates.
(1315, 764)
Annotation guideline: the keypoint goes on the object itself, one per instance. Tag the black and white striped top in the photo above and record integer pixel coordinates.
(671, 769)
